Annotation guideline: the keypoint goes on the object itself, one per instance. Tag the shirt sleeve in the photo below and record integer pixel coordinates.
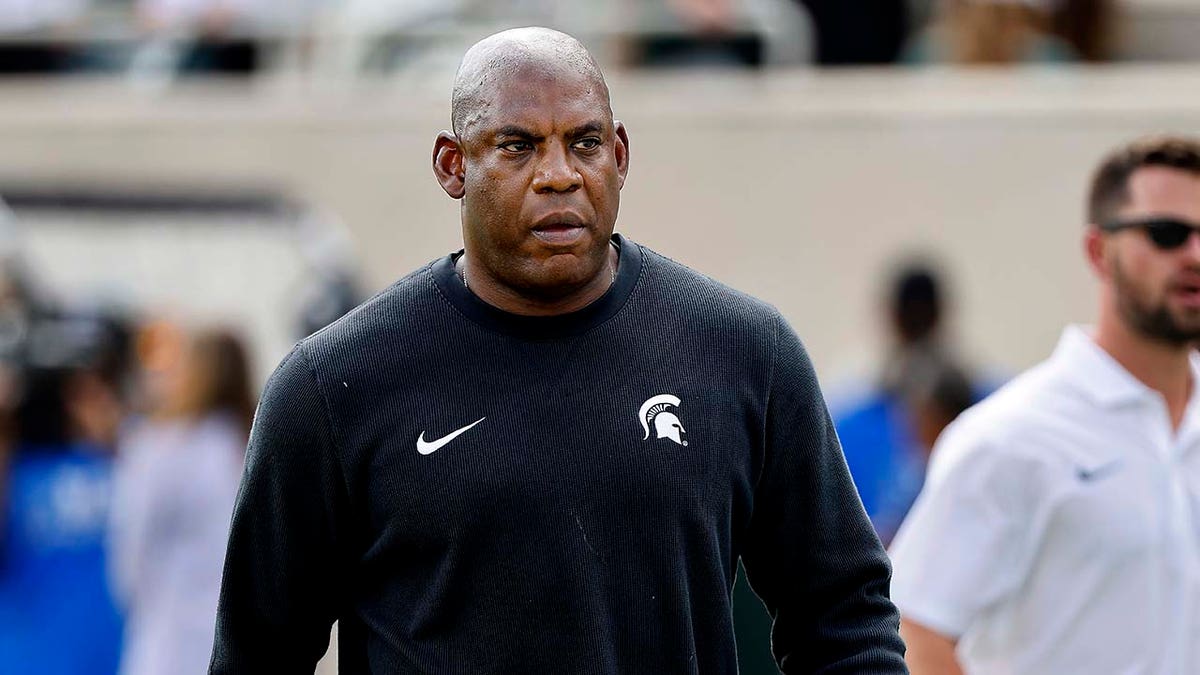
(810, 553)
(965, 544)
(281, 590)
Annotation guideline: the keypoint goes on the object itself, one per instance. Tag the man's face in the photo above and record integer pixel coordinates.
(543, 167)
(1158, 291)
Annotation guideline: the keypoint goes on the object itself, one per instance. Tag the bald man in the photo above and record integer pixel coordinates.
(546, 452)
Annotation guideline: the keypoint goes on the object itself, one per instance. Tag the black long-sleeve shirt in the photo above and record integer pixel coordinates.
(471, 491)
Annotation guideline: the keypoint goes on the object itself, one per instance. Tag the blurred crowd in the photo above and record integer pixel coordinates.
(122, 445)
(243, 36)
(880, 32)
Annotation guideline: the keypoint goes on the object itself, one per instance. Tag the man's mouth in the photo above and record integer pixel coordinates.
(560, 235)
(564, 230)
(1187, 293)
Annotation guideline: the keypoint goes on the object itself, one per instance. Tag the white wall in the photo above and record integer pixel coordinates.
(796, 187)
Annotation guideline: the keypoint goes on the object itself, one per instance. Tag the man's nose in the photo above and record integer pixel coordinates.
(555, 171)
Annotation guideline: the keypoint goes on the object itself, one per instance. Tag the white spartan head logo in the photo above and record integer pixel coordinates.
(666, 423)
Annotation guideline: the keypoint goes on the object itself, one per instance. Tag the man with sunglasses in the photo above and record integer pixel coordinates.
(1059, 528)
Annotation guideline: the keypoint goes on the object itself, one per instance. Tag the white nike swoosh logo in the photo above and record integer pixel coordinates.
(429, 447)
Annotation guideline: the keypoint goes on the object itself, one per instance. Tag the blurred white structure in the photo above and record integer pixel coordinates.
(254, 269)
(20, 16)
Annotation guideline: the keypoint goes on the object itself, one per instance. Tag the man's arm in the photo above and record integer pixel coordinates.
(810, 552)
(284, 568)
(929, 652)
(967, 544)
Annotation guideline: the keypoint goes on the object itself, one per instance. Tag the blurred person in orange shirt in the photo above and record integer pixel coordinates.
(176, 484)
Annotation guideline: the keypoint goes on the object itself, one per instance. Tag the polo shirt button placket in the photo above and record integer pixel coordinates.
(1181, 557)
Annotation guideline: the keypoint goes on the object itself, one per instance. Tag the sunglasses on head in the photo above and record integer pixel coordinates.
(1165, 233)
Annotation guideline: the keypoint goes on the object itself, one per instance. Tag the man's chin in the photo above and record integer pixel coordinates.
(568, 265)
(1187, 333)
(1186, 320)
(1177, 328)
(559, 283)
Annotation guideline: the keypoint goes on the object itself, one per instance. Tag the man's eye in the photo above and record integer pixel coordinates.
(587, 143)
(515, 146)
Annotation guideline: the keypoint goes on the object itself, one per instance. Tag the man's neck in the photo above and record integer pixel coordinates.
(509, 300)
(1162, 366)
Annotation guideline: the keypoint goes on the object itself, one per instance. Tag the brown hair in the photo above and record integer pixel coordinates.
(1110, 183)
(218, 378)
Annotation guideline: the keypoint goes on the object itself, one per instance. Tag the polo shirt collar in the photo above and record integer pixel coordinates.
(1101, 378)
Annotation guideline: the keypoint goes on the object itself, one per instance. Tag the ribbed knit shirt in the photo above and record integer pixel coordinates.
(472, 491)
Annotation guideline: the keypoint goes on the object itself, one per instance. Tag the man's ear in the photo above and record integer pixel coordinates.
(1094, 245)
(448, 164)
(622, 151)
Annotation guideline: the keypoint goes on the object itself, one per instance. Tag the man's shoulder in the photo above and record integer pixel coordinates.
(699, 295)
(393, 316)
(1029, 419)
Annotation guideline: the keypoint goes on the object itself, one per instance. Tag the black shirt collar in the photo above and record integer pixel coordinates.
(580, 321)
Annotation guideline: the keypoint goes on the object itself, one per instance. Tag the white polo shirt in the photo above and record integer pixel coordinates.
(1058, 531)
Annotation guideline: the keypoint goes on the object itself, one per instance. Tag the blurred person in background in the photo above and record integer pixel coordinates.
(1088, 26)
(329, 297)
(202, 36)
(694, 33)
(991, 32)
(546, 452)
(939, 394)
(865, 32)
(1059, 529)
(56, 613)
(333, 285)
(176, 484)
(387, 35)
(887, 431)
(860, 33)
(37, 36)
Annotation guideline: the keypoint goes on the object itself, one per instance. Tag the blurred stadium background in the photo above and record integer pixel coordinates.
(262, 165)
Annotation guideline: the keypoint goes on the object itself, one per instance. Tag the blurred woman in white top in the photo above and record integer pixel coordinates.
(176, 484)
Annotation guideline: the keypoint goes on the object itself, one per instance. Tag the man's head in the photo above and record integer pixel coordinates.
(1142, 197)
(537, 161)
(915, 303)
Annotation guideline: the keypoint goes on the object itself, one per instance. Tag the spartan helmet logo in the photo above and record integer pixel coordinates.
(657, 410)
